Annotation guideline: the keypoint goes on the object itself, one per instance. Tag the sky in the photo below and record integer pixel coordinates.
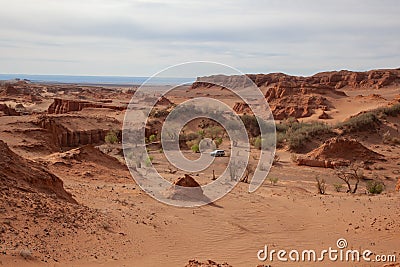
(140, 38)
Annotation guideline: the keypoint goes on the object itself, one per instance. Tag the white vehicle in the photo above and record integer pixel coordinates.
(218, 153)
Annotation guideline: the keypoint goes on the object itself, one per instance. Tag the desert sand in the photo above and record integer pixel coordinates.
(68, 199)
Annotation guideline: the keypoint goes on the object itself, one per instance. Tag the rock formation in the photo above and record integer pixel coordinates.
(294, 96)
(186, 188)
(61, 106)
(187, 181)
(67, 131)
(163, 101)
(291, 99)
(333, 79)
(223, 81)
(338, 151)
(86, 153)
(24, 175)
(242, 108)
(324, 116)
(8, 111)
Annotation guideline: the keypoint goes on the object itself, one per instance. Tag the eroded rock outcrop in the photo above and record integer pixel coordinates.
(8, 111)
(333, 79)
(242, 108)
(61, 106)
(186, 188)
(290, 99)
(28, 176)
(232, 82)
(86, 153)
(344, 78)
(339, 151)
(163, 101)
(295, 96)
(324, 116)
(68, 131)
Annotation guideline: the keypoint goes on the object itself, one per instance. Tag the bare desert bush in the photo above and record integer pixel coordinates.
(233, 171)
(321, 185)
(388, 139)
(351, 175)
(276, 160)
(249, 171)
(106, 226)
(263, 167)
(26, 254)
(294, 158)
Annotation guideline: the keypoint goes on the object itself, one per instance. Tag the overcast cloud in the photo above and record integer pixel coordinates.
(139, 38)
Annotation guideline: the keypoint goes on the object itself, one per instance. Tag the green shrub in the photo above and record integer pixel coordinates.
(111, 137)
(264, 142)
(192, 136)
(280, 139)
(375, 187)
(195, 148)
(392, 111)
(257, 142)
(338, 187)
(369, 119)
(218, 141)
(148, 161)
(254, 125)
(201, 133)
(297, 134)
(251, 124)
(296, 141)
(273, 180)
(214, 132)
(361, 122)
(282, 127)
(152, 138)
(194, 144)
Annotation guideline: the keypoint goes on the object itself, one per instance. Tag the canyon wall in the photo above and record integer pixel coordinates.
(61, 106)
